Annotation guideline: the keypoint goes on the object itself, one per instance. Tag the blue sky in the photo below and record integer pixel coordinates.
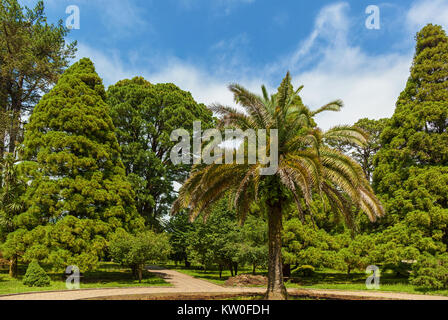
(203, 45)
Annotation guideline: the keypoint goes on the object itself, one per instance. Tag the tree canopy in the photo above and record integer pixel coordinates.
(411, 174)
(144, 115)
(33, 54)
(78, 193)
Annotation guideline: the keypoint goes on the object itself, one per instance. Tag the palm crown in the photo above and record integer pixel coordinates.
(306, 164)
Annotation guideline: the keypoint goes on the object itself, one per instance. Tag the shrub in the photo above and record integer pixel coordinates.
(431, 272)
(36, 276)
(305, 271)
(136, 251)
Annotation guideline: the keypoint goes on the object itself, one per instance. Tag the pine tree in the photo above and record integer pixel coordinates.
(78, 189)
(412, 167)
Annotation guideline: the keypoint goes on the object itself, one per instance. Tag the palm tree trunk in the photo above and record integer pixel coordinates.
(276, 287)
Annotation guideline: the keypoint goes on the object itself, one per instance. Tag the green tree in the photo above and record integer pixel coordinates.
(179, 228)
(136, 251)
(144, 115)
(431, 272)
(78, 193)
(215, 239)
(412, 167)
(36, 276)
(11, 204)
(306, 166)
(356, 253)
(33, 54)
(305, 244)
(253, 244)
(364, 154)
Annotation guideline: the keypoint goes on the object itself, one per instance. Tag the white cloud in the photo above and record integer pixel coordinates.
(423, 12)
(368, 84)
(108, 65)
(204, 86)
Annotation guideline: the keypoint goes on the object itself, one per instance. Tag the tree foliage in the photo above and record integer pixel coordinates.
(78, 193)
(253, 243)
(179, 228)
(144, 115)
(412, 167)
(33, 54)
(215, 239)
(364, 154)
(36, 276)
(136, 251)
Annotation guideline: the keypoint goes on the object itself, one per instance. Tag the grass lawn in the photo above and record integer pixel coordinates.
(108, 275)
(322, 279)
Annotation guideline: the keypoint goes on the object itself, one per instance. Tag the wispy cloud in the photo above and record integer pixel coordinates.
(369, 84)
(219, 7)
(427, 11)
(119, 17)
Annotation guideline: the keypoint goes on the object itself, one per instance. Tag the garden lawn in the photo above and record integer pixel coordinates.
(108, 275)
(322, 279)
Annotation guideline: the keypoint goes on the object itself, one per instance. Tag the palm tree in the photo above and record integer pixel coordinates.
(307, 166)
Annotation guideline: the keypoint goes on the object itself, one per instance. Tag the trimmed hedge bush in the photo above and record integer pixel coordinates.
(36, 276)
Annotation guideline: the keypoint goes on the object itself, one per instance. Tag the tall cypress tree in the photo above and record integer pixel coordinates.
(78, 189)
(412, 167)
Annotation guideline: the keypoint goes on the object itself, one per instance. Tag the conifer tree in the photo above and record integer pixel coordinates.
(412, 167)
(145, 115)
(78, 193)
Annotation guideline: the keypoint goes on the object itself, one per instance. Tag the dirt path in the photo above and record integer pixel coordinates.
(186, 285)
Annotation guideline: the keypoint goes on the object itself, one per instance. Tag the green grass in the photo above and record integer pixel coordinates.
(322, 279)
(108, 275)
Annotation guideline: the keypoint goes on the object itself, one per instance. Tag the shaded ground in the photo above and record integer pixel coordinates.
(187, 287)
